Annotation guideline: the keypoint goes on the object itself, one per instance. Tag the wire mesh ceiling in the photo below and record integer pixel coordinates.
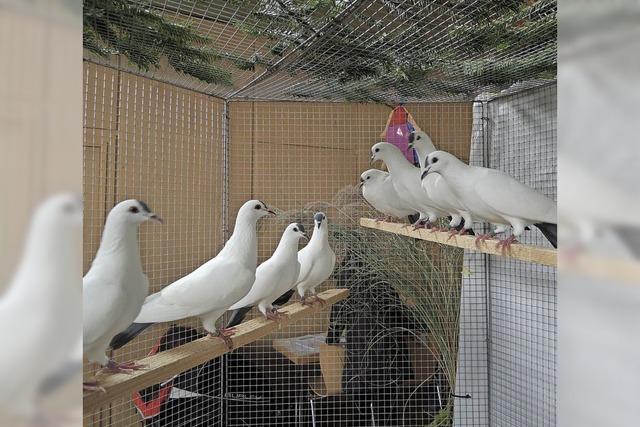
(382, 51)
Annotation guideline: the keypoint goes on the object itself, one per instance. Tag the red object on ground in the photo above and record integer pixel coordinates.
(151, 408)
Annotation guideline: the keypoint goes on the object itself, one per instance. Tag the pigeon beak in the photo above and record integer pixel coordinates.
(424, 174)
(361, 183)
(411, 138)
(304, 235)
(371, 160)
(271, 212)
(156, 218)
(319, 224)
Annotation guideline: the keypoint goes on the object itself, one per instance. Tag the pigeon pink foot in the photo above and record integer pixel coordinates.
(122, 368)
(92, 386)
(225, 335)
(505, 244)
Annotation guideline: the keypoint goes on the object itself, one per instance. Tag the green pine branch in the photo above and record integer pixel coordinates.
(143, 37)
(531, 24)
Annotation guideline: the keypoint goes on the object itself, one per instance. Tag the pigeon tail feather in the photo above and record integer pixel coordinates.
(128, 334)
(550, 231)
(238, 315)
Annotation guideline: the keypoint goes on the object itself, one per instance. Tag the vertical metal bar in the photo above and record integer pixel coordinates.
(116, 154)
(114, 151)
(486, 154)
(225, 171)
(224, 369)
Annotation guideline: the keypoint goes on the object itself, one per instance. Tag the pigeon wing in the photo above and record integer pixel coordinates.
(213, 286)
(266, 275)
(306, 264)
(511, 198)
(101, 303)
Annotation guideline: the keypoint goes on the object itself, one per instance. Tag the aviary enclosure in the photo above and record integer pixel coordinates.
(196, 106)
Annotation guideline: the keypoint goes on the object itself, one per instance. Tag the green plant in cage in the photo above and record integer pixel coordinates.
(487, 43)
(444, 418)
(143, 37)
(426, 276)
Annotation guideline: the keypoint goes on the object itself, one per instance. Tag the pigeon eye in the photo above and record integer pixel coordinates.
(295, 229)
(368, 177)
(134, 209)
(377, 150)
(434, 160)
(257, 207)
(418, 137)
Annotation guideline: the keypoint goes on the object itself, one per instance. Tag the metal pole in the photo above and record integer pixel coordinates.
(487, 258)
(225, 171)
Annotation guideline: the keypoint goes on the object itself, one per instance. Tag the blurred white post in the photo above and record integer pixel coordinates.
(41, 141)
(40, 113)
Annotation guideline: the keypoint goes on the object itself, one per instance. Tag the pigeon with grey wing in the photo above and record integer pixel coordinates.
(39, 316)
(406, 181)
(437, 187)
(276, 275)
(317, 260)
(496, 197)
(115, 286)
(212, 288)
(378, 191)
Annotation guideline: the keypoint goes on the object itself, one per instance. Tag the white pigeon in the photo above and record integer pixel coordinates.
(436, 187)
(317, 260)
(378, 191)
(276, 275)
(406, 180)
(39, 315)
(115, 286)
(496, 197)
(216, 285)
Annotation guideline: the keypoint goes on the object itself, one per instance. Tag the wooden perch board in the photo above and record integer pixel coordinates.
(164, 365)
(602, 268)
(535, 254)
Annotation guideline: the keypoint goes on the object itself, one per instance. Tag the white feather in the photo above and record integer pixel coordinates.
(317, 259)
(276, 275)
(437, 187)
(379, 192)
(39, 320)
(115, 286)
(493, 195)
(211, 289)
(406, 180)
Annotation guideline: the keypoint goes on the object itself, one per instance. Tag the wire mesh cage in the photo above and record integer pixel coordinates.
(198, 106)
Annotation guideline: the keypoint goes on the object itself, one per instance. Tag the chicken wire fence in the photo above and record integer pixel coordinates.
(381, 50)
(430, 335)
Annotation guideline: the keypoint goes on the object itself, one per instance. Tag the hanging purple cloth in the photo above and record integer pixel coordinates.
(398, 129)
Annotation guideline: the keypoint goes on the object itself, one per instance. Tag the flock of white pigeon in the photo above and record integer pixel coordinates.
(445, 186)
(116, 300)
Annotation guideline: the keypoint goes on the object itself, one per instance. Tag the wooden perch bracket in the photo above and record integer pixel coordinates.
(529, 253)
(164, 365)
